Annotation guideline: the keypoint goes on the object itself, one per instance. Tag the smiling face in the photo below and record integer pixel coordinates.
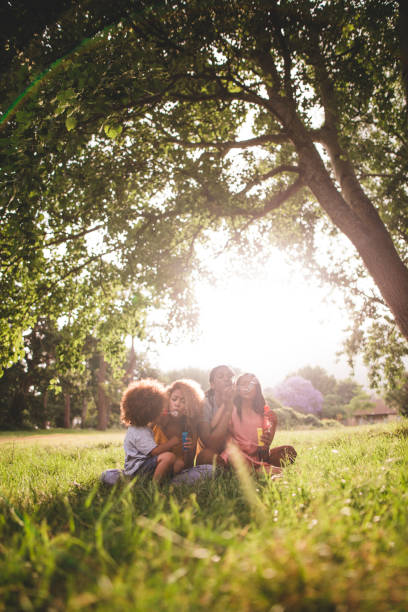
(247, 387)
(177, 403)
(221, 379)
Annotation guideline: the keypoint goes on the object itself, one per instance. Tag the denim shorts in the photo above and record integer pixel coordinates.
(148, 466)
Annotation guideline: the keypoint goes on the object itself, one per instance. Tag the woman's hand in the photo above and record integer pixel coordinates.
(187, 443)
(269, 434)
(228, 396)
(267, 438)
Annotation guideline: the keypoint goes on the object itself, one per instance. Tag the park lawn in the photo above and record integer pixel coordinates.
(56, 437)
(331, 534)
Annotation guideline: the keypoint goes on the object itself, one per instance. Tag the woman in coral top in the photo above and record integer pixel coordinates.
(250, 417)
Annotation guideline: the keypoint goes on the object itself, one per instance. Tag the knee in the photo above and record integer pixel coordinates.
(167, 457)
(178, 465)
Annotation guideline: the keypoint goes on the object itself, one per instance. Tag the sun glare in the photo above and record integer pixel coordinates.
(270, 322)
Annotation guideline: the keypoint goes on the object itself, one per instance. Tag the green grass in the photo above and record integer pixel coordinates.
(6, 436)
(331, 535)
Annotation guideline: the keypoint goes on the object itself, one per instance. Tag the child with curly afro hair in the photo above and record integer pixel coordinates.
(141, 406)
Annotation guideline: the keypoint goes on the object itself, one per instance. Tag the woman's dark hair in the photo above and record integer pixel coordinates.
(209, 394)
(219, 367)
(259, 400)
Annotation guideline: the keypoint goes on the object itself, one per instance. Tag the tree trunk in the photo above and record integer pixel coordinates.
(45, 406)
(349, 208)
(359, 220)
(67, 410)
(84, 411)
(102, 400)
(403, 41)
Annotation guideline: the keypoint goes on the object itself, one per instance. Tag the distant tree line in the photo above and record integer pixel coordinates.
(311, 390)
(40, 391)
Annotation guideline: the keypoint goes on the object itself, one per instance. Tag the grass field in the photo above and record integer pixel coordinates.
(332, 534)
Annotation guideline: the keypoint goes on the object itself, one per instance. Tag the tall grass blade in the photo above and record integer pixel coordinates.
(247, 483)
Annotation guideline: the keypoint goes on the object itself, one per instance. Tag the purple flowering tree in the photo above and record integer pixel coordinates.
(300, 394)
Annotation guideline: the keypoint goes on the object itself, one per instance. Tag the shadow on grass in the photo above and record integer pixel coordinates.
(93, 530)
(77, 511)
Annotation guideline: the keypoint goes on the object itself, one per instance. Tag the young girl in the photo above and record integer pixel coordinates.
(183, 414)
(142, 404)
(247, 426)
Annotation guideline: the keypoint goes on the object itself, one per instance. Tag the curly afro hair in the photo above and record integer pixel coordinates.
(142, 402)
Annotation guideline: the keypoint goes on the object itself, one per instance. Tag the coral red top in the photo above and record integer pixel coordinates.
(243, 432)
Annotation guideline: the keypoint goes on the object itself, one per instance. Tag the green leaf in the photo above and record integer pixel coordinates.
(70, 123)
(66, 95)
(112, 131)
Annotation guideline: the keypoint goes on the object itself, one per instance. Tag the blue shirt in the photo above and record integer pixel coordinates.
(139, 443)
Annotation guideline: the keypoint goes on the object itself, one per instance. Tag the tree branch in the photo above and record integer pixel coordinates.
(67, 237)
(287, 60)
(275, 202)
(225, 95)
(327, 91)
(268, 67)
(232, 144)
(268, 175)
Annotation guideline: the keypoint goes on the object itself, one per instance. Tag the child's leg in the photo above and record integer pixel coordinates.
(165, 462)
(178, 465)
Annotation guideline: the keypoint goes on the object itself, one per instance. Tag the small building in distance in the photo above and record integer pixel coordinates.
(379, 413)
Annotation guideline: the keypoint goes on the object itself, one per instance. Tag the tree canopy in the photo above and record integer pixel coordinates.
(130, 131)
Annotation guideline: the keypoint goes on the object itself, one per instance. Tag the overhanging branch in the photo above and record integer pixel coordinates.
(264, 177)
(231, 144)
(275, 202)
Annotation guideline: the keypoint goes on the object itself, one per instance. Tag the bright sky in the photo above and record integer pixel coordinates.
(270, 322)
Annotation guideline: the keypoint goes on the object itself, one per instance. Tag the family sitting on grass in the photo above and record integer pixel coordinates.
(172, 431)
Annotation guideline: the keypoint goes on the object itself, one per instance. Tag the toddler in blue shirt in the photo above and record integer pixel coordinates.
(141, 405)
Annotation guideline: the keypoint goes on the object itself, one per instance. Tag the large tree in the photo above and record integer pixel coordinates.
(176, 116)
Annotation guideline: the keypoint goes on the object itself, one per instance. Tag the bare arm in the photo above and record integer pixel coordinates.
(268, 436)
(161, 448)
(214, 434)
